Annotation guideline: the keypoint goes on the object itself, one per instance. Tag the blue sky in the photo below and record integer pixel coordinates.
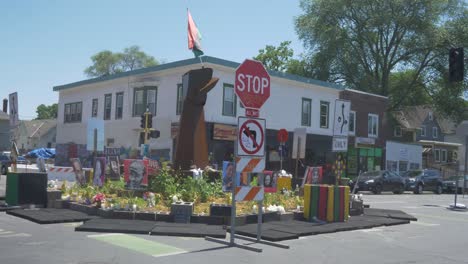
(49, 43)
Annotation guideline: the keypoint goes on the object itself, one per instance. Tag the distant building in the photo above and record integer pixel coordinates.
(34, 134)
(4, 131)
(120, 99)
(368, 131)
(422, 125)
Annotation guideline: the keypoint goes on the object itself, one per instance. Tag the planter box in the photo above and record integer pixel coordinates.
(299, 215)
(207, 219)
(220, 210)
(87, 209)
(288, 216)
(52, 196)
(165, 217)
(266, 217)
(240, 220)
(182, 212)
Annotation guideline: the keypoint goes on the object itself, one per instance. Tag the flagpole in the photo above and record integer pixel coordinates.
(200, 57)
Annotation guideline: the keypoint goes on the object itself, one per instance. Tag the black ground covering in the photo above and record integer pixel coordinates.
(396, 214)
(188, 230)
(117, 226)
(278, 231)
(50, 215)
(272, 231)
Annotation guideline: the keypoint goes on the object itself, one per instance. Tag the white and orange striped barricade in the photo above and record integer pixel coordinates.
(249, 193)
(250, 164)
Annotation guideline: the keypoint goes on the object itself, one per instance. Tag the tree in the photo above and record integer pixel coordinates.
(362, 44)
(276, 58)
(47, 112)
(106, 62)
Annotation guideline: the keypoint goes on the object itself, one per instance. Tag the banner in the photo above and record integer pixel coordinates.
(80, 176)
(269, 180)
(99, 172)
(114, 168)
(228, 175)
(312, 175)
(14, 119)
(98, 125)
(136, 174)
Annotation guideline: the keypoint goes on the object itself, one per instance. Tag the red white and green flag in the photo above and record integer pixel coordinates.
(194, 37)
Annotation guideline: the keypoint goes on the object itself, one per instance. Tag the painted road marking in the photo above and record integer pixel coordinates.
(424, 224)
(141, 245)
(15, 235)
(442, 217)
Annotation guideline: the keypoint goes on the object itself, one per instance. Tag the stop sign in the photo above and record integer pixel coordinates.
(252, 84)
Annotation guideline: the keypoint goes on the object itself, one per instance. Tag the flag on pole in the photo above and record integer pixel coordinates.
(194, 37)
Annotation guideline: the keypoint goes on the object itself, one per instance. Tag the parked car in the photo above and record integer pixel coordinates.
(5, 163)
(380, 181)
(419, 181)
(449, 185)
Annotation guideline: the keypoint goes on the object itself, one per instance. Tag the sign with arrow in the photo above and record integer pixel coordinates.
(251, 137)
(341, 124)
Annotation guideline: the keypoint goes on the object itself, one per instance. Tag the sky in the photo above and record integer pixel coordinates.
(48, 43)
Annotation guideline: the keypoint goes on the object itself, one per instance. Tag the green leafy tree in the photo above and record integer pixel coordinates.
(364, 43)
(106, 62)
(276, 58)
(47, 112)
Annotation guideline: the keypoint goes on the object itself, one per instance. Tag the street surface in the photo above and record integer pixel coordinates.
(439, 236)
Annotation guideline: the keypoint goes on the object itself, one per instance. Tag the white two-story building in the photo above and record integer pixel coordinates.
(120, 100)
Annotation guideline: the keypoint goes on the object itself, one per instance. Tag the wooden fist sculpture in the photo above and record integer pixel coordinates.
(192, 147)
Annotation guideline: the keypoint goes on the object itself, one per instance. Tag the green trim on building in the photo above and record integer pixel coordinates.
(182, 63)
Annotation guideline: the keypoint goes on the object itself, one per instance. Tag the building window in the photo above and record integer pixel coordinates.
(423, 131)
(94, 108)
(373, 125)
(435, 132)
(444, 155)
(437, 155)
(107, 106)
(430, 116)
(229, 100)
(144, 98)
(324, 106)
(72, 113)
(306, 111)
(119, 105)
(180, 97)
(352, 122)
(397, 131)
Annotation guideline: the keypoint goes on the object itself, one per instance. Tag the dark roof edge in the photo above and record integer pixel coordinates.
(181, 63)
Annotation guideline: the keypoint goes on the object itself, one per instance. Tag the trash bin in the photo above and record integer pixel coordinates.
(26, 188)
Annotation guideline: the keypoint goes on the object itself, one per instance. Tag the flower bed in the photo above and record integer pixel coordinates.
(164, 189)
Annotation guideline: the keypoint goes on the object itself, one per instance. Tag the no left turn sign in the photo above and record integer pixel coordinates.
(251, 137)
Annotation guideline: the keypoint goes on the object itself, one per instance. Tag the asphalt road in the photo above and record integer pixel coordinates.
(439, 236)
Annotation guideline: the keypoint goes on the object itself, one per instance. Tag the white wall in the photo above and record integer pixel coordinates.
(282, 110)
(403, 152)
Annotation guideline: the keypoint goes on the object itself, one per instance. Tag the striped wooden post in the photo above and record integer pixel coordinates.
(323, 198)
(342, 201)
(336, 204)
(314, 201)
(346, 203)
(307, 197)
(330, 204)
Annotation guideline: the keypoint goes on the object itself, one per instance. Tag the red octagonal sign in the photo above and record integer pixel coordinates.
(252, 84)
